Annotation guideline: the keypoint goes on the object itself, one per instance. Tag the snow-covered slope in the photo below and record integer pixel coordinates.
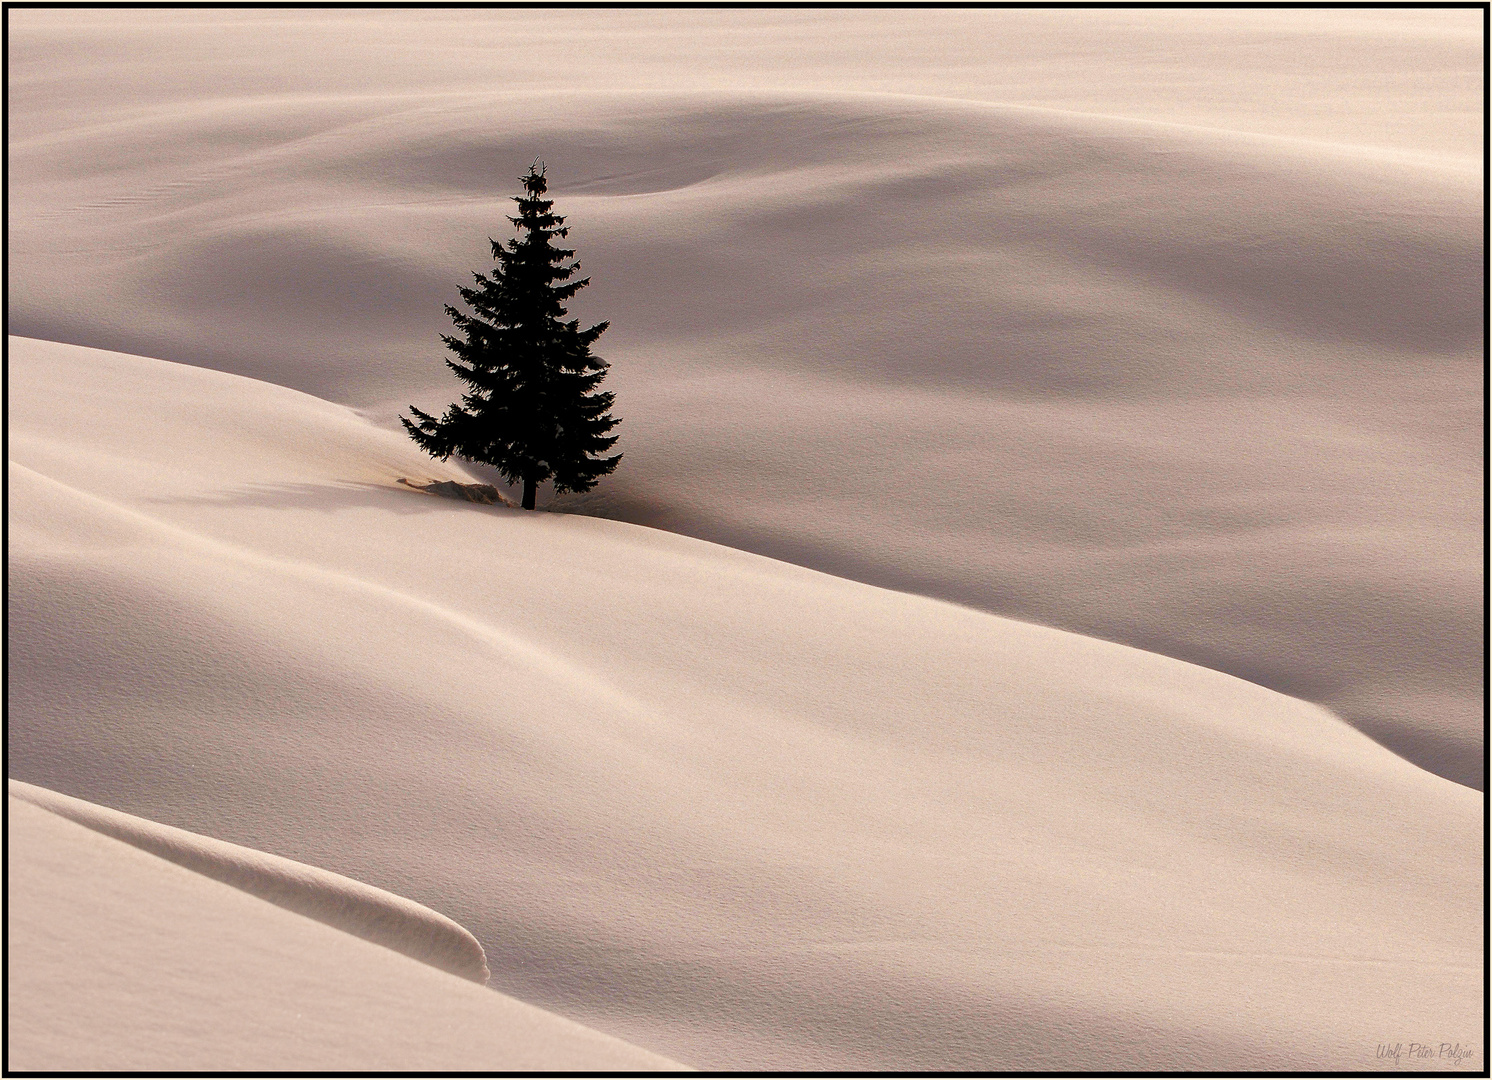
(351, 906)
(118, 960)
(736, 811)
(1159, 326)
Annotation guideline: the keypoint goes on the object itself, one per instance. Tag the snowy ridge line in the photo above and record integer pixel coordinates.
(507, 643)
(418, 102)
(342, 903)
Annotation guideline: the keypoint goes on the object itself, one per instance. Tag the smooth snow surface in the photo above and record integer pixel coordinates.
(121, 961)
(741, 813)
(1160, 326)
(358, 909)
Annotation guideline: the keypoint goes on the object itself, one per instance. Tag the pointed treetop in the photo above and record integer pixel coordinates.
(534, 182)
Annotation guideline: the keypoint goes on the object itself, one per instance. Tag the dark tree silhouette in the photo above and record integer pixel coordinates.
(532, 410)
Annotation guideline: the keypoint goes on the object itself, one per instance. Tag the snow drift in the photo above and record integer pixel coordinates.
(118, 960)
(742, 813)
(347, 905)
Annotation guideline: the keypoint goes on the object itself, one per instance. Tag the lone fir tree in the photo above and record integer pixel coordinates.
(532, 410)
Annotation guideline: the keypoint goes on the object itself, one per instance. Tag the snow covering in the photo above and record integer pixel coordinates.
(1161, 327)
(358, 909)
(1036, 624)
(119, 961)
(742, 813)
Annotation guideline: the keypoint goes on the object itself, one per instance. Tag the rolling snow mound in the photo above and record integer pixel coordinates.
(745, 814)
(120, 961)
(1160, 327)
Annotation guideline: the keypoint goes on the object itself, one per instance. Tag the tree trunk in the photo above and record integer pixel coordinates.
(529, 490)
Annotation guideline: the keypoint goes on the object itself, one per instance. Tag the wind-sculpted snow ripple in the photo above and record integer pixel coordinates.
(351, 906)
